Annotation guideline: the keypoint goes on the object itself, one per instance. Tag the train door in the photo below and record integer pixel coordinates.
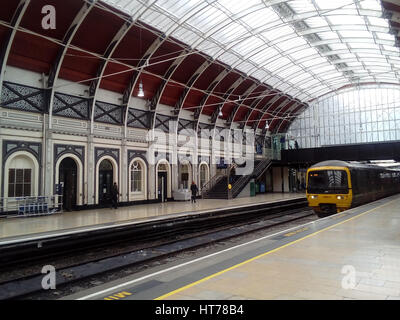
(105, 182)
(68, 180)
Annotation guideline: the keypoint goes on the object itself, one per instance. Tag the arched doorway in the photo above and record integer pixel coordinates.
(106, 178)
(68, 180)
(163, 181)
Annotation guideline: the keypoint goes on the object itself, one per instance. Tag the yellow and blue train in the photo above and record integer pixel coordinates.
(334, 186)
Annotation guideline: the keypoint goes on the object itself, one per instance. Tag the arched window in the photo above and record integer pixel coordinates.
(136, 177)
(185, 176)
(20, 177)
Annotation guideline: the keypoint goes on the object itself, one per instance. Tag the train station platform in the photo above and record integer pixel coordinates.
(351, 255)
(85, 220)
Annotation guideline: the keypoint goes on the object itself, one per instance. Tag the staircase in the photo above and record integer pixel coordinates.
(217, 187)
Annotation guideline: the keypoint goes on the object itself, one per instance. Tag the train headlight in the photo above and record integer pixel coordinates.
(339, 197)
(314, 197)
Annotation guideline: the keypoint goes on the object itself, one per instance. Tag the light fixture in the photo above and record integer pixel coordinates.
(220, 114)
(266, 125)
(141, 92)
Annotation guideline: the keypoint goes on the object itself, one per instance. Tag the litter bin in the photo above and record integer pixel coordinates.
(252, 189)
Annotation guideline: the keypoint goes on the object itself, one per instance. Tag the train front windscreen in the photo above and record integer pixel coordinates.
(327, 181)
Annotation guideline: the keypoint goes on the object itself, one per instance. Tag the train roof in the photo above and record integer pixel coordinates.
(340, 163)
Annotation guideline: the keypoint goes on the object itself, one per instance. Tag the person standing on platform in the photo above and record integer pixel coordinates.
(194, 190)
(114, 195)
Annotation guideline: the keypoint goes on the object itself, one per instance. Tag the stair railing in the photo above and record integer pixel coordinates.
(210, 184)
(243, 180)
(261, 168)
(215, 179)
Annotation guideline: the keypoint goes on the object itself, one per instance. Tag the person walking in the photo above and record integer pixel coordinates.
(194, 190)
(114, 195)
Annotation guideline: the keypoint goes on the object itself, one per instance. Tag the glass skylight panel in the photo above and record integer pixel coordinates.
(328, 35)
(330, 5)
(385, 36)
(208, 19)
(260, 74)
(312, 62)
(259, 18)
(248, 46)
(309, 84)
(345, 19)
(273, 81)
(266, 55)
(209, 47)
(229, 58)
(292, 70)
(128, 6)
(163, 22)
(229, 33)
(284, 87)
(355, 34)
(178, 8)
(277, 33)
(354, 28)
(306, 52)
(300, 77)
(246, 67)
(363, 54)
(390, 48)
(316, 22)
(338, 46)
(187, 36)
(332, 75)
(294, 43)
(318, 90)
(378, 22)
(238, 6)
(278, 63)
(326, 68)
(354, 64)
(370, 5)
(302, 6)
(376, 64)
(365, 45)
(316, 67)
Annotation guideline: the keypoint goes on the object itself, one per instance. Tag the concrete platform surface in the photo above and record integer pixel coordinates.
(351, 255)
(12, 228)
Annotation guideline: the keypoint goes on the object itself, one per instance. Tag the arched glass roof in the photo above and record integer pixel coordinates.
(304, 48)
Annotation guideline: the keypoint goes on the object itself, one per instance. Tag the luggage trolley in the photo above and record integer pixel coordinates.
(41, 205)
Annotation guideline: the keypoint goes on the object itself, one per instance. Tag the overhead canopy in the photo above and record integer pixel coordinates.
(304, 48)
(252, 61)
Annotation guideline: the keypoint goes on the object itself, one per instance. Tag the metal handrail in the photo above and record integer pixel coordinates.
(210, 184)
(215, 179)
(258, 170)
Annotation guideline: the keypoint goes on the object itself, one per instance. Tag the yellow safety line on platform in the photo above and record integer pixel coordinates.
(266, 253)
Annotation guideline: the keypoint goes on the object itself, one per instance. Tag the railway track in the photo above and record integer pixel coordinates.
(151, 242)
